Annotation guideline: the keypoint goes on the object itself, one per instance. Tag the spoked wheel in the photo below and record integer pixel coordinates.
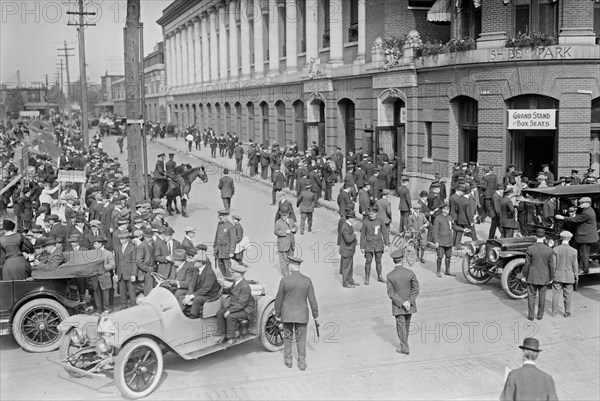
(398, 241)
(511, 283)
(410, 252)
(271, 329)
(473, 273)
(82, 357)
(138, 368)
(35, 326)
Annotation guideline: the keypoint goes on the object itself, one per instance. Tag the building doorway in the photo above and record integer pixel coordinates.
(347, 111)
(299, 126)
(315, 127)
(390, 134)
(281, 134)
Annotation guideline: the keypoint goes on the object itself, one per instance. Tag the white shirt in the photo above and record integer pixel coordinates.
(45, 196)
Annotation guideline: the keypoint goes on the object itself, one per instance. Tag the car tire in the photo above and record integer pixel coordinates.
(474, 276)
(271, 329)
(514, 287)
(129, 376)
(42, 316)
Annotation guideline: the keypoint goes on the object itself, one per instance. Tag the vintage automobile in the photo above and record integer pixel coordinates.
(35, 307)
(129, 344)
(504, 258)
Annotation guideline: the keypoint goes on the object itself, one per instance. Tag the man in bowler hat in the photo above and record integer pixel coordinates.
(528, 382)
(291, 306)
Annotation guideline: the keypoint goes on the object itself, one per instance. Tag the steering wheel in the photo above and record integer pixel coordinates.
(159, 278)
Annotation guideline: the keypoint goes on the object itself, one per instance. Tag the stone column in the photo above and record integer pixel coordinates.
(245, 39)
(214, 46)
(233, 42)
(336, 32)
(222, 14)
(362, 33)
(197, 51)
(496, 21)
(259, 60)
(577, 23)
(178, 59)
(169, 60)
(273, 38)
(312, 30)
(184, 56)
(205, 50)
(291, 53)
(191, 55)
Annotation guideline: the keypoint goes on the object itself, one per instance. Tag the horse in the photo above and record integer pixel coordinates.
(160, 188)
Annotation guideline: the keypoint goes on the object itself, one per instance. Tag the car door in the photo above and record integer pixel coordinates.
(6, 305)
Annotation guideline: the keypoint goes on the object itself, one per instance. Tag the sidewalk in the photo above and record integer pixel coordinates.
(180, 146)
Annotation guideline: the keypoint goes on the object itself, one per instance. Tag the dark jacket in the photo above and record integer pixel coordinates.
(442, 230)
(489, 185)
(241, 298)
(306, 201)
(344, 201)
(278, 180)
(295, 293)
(404, 204)
(586, 231)
(374, 235)
(346, 238)
(528, 383)
(539, 264)
(507, 213)
(289, 206)
(224, 244)
(189, 247)
(204, 284)
(126, 261)
(226, 186)
(402, 286)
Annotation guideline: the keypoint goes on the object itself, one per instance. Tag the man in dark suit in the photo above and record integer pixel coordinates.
(125, 259)
(285, 204)
(291, 306)
(306, 203)
(241, 306)
(57, 230)
(461, 215)
(538, 272)
(159, 169)
(163, 252)
(586, 231)
(442, 238)
(184, 273)
(344, 201)
(374, 240)
(227, 188)
(404, 204)
(364, 201)
(507, 215)
(145, 261)
(102, 283)
(403, 289)
(316, 185)
(528, 382)
(187, 244)
(238, 151)
(347, 242)
(278, 181)
(224, 244)
(203, 286)
(384, 208)
(489, 187)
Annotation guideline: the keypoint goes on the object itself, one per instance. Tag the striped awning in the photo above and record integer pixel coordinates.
(440, 11)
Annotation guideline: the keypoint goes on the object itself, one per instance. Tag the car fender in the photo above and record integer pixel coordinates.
(262, 304)
(87, 323)
(60, 298)
(510, 254)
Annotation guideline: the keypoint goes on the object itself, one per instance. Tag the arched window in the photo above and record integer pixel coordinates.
(264, 109)
(347, 112)
(299, 127)
(281, 123)
(251, 133)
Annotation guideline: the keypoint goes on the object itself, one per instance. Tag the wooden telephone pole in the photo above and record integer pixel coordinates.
(66, 55)
(138, 178)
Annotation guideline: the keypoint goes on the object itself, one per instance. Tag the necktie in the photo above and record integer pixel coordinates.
(169, 247)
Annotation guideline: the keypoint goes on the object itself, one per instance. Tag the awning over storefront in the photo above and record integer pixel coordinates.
(440, 11)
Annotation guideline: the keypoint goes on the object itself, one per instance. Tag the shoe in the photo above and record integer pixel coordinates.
(272, 204)
(439, 275)
(366, 281)
(567, 314)
(289, 365)
(217, 334)
(530, 318)
(354, 283)
(450, 274)
(380, 279)
(422, 259)
(303, 367)
(228, 342)
(402, 352)
(347, 286)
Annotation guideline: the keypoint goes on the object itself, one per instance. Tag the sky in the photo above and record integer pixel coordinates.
(31, 31)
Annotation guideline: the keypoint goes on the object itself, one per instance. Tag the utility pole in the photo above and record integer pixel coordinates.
(137, 176)
(82, 72)
(60, 83)
(66, 55)
(144, 113)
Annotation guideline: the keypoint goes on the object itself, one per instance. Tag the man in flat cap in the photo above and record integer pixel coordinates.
(538, 272)
(125, 259)
(565, 273)
(295, 293)
(586, 231)
(187, 242)
(224, 244)
(528, 382)
(241, 306)
(403, 289)
(575, 180)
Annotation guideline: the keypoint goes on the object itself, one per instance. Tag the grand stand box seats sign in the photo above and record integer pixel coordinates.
(532, 119)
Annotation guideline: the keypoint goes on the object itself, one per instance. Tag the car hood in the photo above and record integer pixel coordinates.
(513, 243)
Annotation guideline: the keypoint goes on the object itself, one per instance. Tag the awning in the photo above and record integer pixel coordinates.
(440, 11)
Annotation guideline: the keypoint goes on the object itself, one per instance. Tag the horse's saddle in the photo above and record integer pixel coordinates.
(170, 182)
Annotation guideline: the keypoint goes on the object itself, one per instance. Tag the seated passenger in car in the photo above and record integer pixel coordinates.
(203, 286)
(52, 256)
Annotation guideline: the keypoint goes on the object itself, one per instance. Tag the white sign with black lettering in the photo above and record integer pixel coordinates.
(532, 119)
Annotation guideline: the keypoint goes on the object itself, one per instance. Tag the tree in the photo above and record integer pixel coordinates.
(14, 101)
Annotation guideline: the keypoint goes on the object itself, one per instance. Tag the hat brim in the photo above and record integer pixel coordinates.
(530, 349)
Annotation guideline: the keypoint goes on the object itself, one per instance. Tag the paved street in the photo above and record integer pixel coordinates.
(463, 336)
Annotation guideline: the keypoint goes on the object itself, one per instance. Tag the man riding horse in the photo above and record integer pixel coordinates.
(174, 174)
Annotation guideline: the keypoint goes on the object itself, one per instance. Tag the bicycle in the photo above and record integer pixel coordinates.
(409, 242)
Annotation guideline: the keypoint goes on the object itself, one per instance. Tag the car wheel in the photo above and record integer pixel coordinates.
(474, 274)
(271, 329)
(511, 284)
(86, 360)
(35, 325)
(138, 368)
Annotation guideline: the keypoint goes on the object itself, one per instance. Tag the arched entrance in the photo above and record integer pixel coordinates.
(209, 116)
(264, 109)
(218, 120)
(195, 114)
(532, 138)
(251, 130)
(227, 117)
(347, 111)
(390, 134)
(281, 134)
(466, 113)
(315, 124)
(201, 120)
(238, 121)
(299, 126)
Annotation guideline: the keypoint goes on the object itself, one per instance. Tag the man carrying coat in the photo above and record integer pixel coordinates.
(403, 289)
(538, 272)
(291, 306)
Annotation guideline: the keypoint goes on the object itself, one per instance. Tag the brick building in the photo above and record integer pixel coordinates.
(154, 84)
(388, 74)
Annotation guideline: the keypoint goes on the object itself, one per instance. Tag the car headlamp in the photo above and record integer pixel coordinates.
(494, 254)
(102, 346)
(471, 250)
(77, 336)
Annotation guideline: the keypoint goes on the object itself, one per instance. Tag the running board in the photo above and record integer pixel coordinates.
(218, 347)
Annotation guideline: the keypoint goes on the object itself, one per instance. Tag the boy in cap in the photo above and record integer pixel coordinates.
(241, 306)
(295, 292)
(528, 382)
(565, 273)
(403, 289)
